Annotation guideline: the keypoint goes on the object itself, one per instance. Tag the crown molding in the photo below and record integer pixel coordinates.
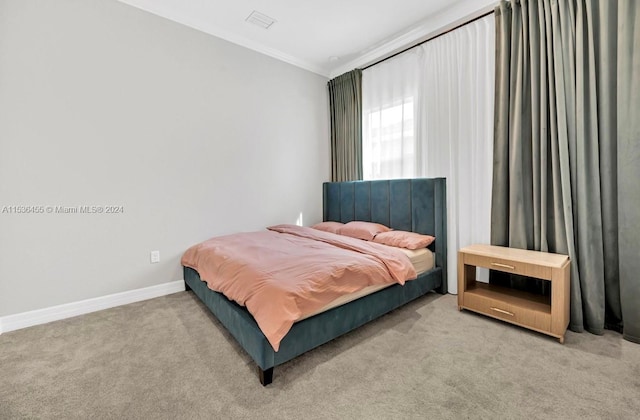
(447, 19)
(429, 28)
(233, 38)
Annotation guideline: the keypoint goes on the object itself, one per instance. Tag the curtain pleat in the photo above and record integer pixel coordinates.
(558, 118)
(345, 101)
(628, 164)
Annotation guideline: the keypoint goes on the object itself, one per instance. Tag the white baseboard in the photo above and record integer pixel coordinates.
(68, 310)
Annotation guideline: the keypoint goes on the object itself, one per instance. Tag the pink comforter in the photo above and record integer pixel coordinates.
(288, 271)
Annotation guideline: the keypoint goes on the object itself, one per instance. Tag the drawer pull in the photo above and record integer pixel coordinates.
(502, 311)
(510, 267)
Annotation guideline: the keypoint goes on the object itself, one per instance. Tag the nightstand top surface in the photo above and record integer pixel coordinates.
(545, 259)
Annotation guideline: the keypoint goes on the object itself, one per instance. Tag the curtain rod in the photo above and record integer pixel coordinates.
(429, 39)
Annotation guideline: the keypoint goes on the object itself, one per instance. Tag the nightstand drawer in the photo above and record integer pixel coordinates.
(509, 266)
(535, 316)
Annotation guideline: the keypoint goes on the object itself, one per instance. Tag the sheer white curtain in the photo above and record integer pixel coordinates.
(429, 113)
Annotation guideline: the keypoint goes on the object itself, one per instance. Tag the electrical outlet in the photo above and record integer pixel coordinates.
(155, 257)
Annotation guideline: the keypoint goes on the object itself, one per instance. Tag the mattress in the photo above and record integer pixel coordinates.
(422, 260)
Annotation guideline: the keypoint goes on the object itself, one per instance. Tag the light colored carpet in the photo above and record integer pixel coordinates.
(168, 358)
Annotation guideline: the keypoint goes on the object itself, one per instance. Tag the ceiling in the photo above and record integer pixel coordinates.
(328, 37)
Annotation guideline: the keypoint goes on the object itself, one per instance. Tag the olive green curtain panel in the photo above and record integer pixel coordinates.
(345, 101)
(629, 164)
(566, 93)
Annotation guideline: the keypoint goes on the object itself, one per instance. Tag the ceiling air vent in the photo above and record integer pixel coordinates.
(260, 19)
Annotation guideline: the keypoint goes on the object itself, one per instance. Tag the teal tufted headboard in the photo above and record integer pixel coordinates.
(416, 205)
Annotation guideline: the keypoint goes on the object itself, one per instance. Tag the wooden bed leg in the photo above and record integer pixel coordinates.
(186, 287)
(266, 376)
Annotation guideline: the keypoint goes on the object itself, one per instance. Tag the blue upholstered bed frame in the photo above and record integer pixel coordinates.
(417, 205)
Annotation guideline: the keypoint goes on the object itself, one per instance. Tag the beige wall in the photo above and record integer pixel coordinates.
(104, 104)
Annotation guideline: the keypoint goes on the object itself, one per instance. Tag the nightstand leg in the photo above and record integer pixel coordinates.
(561, 340)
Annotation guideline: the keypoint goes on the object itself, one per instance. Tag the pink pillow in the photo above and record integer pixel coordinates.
(363, 230)
(333, 227)
(403, 239)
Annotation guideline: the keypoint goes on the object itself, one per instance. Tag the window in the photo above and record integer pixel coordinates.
(388, 141)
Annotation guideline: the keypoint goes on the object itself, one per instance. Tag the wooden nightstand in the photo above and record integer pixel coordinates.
(548, 315)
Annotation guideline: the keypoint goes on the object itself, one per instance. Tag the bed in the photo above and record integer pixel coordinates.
(417, 205)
